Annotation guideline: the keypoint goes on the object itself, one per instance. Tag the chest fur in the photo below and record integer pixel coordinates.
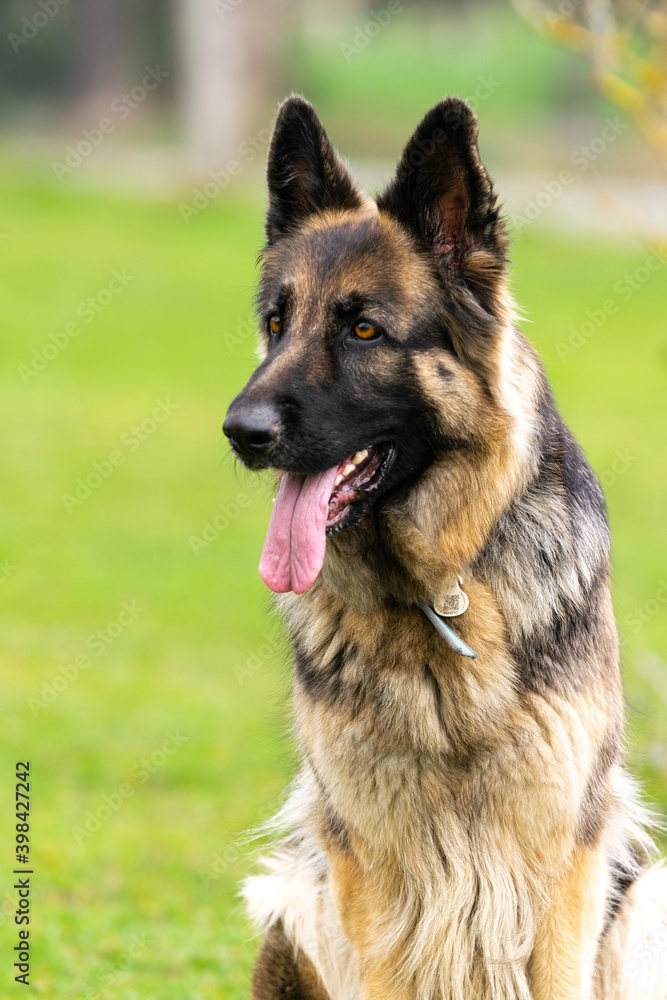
(406, 737)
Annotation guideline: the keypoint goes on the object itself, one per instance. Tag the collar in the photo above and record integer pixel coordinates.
(452, 602)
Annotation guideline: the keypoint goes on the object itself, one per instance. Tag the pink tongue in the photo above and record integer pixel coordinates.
(296, 540)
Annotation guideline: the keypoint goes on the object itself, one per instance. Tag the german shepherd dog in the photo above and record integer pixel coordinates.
(462, 827)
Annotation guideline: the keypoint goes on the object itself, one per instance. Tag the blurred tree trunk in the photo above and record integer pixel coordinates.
(214, 78)
(229, 54)
(106, 42)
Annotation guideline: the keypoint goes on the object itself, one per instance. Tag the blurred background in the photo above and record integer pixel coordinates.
(142, 673)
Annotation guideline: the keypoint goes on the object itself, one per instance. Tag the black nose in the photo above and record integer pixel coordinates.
(252, 429)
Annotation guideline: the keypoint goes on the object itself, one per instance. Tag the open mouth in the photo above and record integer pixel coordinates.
(308, 508)
(358, 479)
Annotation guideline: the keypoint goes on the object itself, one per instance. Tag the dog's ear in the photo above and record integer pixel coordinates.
(442, 193)
(304, 173)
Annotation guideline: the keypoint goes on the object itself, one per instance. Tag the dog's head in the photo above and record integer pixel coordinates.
(379, 323)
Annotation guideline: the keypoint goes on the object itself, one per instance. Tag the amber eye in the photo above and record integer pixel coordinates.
(274, 323)
(365, 331)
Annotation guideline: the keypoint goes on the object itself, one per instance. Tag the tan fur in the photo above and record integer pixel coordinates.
(545, 896)
(460, 828)
(406, 883)
(377, 906)
(440, 532)
(563, 962)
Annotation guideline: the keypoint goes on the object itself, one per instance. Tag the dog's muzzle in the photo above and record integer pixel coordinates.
(252, 428)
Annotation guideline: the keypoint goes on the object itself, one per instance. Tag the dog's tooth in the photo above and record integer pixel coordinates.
(338, 480)
(360, 457)
(348, 469)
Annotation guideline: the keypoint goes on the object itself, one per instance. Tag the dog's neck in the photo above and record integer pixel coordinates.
(409, 550)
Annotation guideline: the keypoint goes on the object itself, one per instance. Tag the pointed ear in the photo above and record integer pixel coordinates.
(304, 173)
(442, 193)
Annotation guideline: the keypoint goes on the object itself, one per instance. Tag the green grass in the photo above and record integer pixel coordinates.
(371, 86)
(125, 912)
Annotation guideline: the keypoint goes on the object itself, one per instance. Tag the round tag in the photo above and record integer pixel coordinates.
(452, 603)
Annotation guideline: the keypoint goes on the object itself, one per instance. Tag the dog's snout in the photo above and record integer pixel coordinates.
(252, 428)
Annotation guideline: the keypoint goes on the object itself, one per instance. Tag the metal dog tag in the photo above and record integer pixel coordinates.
(453, 640)
(453, 602)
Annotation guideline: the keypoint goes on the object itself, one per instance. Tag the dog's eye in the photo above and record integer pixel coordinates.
(274, 324)
(366, 331)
